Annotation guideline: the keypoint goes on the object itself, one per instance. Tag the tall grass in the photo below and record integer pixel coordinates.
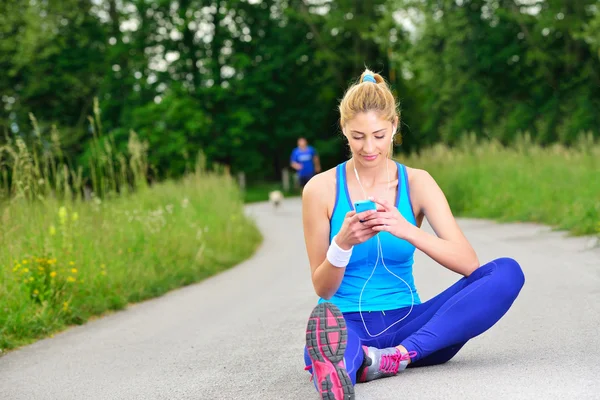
(39, 168)
(67, 255)
(556, 185)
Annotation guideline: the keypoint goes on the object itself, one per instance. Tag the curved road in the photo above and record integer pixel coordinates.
(240, 335)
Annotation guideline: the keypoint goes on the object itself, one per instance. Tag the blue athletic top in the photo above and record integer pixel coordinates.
(304, 157)
(383, 291)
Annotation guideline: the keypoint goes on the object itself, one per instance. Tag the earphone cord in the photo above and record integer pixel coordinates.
(380, 252)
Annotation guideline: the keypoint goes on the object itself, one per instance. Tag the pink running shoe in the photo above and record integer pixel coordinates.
(326, 339)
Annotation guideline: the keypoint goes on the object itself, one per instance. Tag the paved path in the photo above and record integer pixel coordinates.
(240, 335)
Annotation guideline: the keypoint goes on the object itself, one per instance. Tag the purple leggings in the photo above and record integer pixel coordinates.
(440, 327)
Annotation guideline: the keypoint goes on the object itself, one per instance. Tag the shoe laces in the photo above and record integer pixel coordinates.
(391, 362)
(306, 369)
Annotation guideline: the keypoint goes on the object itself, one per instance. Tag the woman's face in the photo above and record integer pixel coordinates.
(369, 138)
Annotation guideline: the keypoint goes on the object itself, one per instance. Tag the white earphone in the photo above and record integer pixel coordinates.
(380, 252)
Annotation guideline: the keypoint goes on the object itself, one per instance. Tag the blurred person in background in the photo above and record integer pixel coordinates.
(305, 161)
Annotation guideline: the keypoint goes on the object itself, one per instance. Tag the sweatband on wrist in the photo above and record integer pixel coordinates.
(337, 256)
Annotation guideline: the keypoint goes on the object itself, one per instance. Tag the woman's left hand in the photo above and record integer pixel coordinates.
(389, 220)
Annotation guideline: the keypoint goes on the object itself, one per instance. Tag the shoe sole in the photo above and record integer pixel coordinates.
(326, 339)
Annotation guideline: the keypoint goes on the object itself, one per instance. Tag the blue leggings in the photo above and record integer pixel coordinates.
(440, 327)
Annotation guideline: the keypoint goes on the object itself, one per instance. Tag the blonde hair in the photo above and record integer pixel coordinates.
(365, 95)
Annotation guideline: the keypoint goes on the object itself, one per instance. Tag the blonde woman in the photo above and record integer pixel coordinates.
(369, 322)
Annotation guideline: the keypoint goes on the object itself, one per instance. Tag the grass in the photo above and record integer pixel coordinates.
(555, 185)
(61, 264)
(67, 257)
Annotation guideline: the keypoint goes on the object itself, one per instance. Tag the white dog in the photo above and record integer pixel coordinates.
(275, 198)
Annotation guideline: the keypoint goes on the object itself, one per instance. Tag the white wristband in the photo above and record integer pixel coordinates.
(337, 256)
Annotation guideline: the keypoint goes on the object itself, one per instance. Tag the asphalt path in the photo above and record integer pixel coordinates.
(240, 334)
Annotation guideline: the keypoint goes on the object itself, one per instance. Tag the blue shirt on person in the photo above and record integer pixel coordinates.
(305, 158)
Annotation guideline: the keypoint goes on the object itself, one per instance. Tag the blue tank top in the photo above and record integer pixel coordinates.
(383, 291)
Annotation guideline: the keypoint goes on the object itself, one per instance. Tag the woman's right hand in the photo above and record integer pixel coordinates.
(353, 231)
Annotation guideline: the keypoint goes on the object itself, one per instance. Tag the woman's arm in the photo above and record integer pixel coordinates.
(326, 278)
(450, 248)
(316, 196)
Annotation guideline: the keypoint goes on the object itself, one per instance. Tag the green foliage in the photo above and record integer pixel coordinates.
(66, 263)
(175, 136)
(66, 258)
(496, 69)
(240, 80)
(51, 53)
(525, 182)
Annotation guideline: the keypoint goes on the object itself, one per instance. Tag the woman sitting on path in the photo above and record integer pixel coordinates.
(369, 322)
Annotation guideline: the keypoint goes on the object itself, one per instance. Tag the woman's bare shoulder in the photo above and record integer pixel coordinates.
(320, 190)
(416, 175)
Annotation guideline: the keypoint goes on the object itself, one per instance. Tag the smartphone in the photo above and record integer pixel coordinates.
(364, 205)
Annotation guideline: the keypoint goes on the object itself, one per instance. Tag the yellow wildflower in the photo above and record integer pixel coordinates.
(65, 305)
(24, 261)
(75, 217)
(52, 274)
(36, 292)
(25, 270)
(52, 230)
(62, 215)
(74, 270)
(103, 273)
(70, 279)
(31, 279)
(71, 263)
